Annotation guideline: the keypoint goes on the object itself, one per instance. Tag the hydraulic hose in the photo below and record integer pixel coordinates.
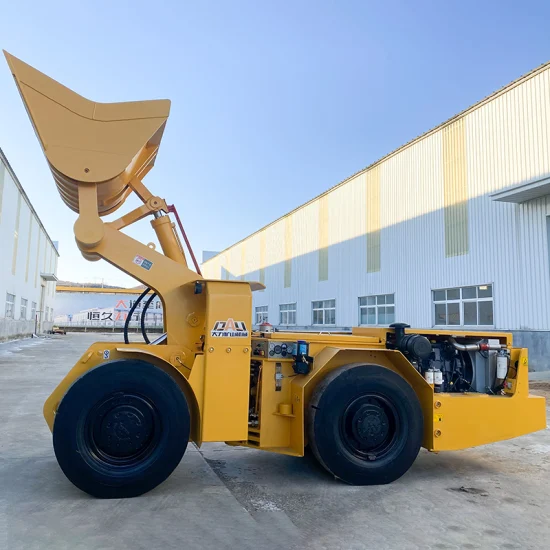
(131, 312)
(172, 208)
(143, 312)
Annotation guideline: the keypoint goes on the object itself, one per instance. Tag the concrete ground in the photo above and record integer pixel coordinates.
(496, 496)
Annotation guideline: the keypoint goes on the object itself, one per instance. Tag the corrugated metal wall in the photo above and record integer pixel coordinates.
(455, 188)
(25, 247)
(421, 219)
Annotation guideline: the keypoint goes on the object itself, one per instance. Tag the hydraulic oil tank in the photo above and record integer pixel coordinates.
(87, 142)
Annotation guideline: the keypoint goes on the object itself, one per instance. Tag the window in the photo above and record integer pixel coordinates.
(465, 306)
(33, 310)
(261, 315)
(377, 310)
(324, 312)
(10, 305)
(287, 314)
(23, 309)
(46, 313)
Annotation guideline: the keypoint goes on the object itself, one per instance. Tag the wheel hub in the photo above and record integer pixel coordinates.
(368, 426)
(123, 426)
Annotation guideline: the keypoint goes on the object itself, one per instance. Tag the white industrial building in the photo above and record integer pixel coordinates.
(450, 230)
(29, 262)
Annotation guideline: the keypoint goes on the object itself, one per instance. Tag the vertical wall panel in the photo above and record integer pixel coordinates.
(45, 255)
(37, 265)
(51, 264)
(323, 238)
(305, 265)
(2, 177)
(29, 241)
(455, 189)
(16, 234)
(373, 219)
(262, 257)
(234, 262)
(250, 247)
(225, 267)
(288, 252)
(243, 261)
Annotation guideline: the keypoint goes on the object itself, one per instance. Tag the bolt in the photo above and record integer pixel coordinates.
(228, 350)
(437, 433)
(210, 350)
(437, 404)
(245, 350)
(86, 170)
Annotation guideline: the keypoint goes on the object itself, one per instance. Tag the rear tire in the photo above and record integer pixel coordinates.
(365, 424)
(121, 429)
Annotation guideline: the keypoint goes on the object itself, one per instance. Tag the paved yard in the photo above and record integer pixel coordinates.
(496, 496)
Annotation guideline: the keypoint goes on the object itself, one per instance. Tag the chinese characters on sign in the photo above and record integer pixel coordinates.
(116, 315)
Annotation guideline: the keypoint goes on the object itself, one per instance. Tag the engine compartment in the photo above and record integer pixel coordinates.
(454, 364)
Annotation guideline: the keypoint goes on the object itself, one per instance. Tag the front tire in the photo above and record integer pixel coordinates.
(121, 429)
(365, 424)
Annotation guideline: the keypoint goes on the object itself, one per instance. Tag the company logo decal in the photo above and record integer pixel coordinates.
(143, 262)
(229, 329)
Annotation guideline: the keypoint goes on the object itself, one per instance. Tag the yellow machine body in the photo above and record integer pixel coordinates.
(218, 388)
(98, 154)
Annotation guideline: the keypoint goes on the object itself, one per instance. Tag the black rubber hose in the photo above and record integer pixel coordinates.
(143, 312)
(129, 317)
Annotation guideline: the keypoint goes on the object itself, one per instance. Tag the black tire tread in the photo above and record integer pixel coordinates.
(374, 372)
(121, 375)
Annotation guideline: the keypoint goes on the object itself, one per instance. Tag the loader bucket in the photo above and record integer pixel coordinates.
(86, 142)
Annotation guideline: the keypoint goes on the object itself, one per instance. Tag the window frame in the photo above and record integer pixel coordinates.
(23, 306)
(324, 308)
(264, 310)
(461, 301)
(376, 307)
(287, 313)
(9, 312)
(33, 311)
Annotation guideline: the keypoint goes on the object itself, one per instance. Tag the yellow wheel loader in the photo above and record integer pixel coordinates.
(364, 402)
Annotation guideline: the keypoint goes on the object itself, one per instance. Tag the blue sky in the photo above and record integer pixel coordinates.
(273, 102)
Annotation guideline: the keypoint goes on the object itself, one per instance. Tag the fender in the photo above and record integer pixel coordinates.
(167, 358)
(331, 358)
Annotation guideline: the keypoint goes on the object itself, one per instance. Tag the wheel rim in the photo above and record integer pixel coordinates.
(122, 429)
(369, 427)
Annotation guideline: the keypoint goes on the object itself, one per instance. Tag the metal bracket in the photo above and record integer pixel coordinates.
(278, 376)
